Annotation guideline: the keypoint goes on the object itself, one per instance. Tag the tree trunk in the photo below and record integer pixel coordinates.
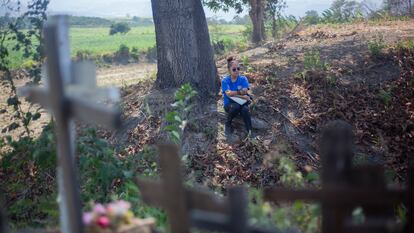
(256, 13)
(183, 46)
(274, 26)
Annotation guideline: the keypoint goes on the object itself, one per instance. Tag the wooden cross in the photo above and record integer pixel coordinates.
(69, 93)
(188, 207)
(2, 222)
(345, 188)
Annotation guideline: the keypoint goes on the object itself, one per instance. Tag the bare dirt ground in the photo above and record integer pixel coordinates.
(290, 111)
(125, 75)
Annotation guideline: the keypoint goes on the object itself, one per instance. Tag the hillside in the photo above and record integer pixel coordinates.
(293, 103)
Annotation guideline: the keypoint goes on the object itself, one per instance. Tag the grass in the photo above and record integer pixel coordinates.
(98, 41)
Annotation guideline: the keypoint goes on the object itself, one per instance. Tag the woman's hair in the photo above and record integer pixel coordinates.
(230, 61)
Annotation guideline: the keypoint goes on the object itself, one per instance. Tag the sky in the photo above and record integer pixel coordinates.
(142, 8)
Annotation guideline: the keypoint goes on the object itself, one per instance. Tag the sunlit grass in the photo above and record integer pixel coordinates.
(98, 41)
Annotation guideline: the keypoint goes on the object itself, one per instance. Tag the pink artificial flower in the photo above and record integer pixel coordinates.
(118, 208)
(87, 218)
(123, 204)
(103, 222)
(99, 209)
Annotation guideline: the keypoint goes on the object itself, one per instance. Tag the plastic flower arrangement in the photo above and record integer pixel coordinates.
(108, 218)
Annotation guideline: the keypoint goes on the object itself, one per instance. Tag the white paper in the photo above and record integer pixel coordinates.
(238, 100)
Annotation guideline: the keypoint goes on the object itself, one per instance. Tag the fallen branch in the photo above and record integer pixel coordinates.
(287, 118)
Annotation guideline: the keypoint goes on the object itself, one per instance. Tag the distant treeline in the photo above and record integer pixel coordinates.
(86, 21)
(240, 20)
(83, 21)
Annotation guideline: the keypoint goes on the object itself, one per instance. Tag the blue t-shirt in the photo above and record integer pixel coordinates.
(227, 84)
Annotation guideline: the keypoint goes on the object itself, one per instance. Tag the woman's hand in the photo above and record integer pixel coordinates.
(246, 97)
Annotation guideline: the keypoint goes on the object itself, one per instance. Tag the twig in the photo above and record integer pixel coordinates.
(287, 118)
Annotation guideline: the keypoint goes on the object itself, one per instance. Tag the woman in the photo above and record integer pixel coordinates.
(235, 85)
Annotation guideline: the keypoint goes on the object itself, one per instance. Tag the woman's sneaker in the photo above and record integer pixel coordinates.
(251, 135)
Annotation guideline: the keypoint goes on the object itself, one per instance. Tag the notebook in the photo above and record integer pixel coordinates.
(238, 100)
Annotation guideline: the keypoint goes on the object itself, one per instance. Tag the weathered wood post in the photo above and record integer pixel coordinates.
(2, 222)
(189, 207)
(410, 217)
(238, 201)
(337, 152)
(67, 94)
(174, 199)
(345, 187)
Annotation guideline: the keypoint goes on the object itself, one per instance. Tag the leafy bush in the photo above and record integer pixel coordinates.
(248, 32)
(218, 47)
(123, 50)
(222, 46)
(29, 188)
(84, 55)
(104, 176)
(312, 61)
(20, 33)
(120, 27)
(177, 119)
(385, 96)
(311, 17)
(151, 53)
(241, 46)
(135, 53)
(245, 60)
(375, 46)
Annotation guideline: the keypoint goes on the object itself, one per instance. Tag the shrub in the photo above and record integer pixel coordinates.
(312, 61)
(30, 162)
(33, 162)
(218, 47)
(177, 119)
(123, 55)
(151, 54)
(385, 96)
(123, 49)
(241, 46)
(83, 55)
(375, 46)
(121, 27)
(135, 53)
(222, 46)
(248, 32)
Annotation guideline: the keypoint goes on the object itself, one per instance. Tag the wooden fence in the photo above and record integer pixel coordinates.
(344, 186)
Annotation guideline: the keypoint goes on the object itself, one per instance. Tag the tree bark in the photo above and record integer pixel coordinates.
(273, 25)
(184, 51)
(256, 13)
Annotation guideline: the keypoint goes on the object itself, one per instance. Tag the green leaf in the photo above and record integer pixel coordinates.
(11, 101)
(176, 135)
(13, 126)
(171, 116)
(312, 176)
(171, 128)
(298, 205)
(36, 116)
(177, 118)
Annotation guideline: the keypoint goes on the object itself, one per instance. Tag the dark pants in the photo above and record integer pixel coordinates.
(233, 109)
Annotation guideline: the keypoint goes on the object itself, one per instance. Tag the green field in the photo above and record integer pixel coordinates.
(98, 41)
